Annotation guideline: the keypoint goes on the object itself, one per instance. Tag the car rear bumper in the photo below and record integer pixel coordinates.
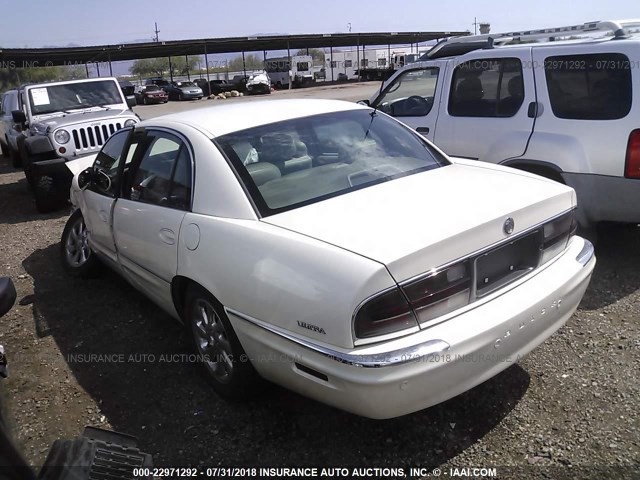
(412, 373)
(603, 198)
(157, 99)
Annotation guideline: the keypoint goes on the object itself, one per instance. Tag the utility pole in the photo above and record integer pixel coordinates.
(475, 25)
(155, 38)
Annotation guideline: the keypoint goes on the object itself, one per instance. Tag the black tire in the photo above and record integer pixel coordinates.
(229, 370)
(16, 160)
(48, 198)
(74, 244)
(5, 149)
(180, 97)
(145, 101)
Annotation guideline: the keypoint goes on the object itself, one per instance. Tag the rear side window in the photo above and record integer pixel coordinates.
(487, 88)
(589, 87)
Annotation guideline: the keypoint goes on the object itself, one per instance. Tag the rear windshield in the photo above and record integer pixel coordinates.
(186, 84)
(152, 88)
(288, 164)
(60, 98)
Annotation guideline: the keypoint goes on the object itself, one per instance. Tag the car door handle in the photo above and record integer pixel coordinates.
(422, 130)
(167, 236)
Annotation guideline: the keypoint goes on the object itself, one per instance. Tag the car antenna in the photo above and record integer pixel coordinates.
(375, 108)
(374, 113)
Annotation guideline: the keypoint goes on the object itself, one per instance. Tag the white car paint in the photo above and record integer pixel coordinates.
(315, 265)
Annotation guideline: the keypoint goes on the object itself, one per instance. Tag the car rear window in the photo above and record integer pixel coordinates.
(589, 87)
(288, 164)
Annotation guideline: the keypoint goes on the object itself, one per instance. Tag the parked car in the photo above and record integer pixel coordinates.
(9, 130)
(183, 91)
(146, 94)
(161, 82)
(62, 121)
(543, 107)
(128, 88)
(330, 249)
(214, 87)
(258, 84)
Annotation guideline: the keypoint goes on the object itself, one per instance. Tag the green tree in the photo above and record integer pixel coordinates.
(251, 62)
(14, 77)
(316, 54)
(159, 67)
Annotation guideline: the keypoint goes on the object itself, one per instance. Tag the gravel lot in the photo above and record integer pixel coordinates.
(569, 408)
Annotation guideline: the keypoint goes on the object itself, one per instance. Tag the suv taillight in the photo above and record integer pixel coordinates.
(632, 164)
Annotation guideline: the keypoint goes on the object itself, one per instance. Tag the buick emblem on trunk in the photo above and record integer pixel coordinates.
(509, 225)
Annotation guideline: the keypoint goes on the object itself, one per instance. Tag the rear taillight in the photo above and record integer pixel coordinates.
(632, 164)
(557, 234)
(386, 313)
(440, 292)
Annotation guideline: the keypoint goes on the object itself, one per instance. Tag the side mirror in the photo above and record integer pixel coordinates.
(364, 102)
(131, 101)
(18, 117)
(7, 295)
(85, 178)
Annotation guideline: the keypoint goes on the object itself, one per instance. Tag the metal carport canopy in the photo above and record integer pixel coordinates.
(40, 57)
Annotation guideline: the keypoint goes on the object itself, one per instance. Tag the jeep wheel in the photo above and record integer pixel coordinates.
(77, 258)
(46, 194)
(224, 361)
(16, 161)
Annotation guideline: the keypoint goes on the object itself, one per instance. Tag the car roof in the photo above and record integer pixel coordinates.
(222, 119)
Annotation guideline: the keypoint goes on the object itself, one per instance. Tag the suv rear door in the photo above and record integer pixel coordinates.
(586, 97)
(484, 109)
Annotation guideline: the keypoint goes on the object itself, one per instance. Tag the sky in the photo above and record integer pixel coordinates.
(92, 22)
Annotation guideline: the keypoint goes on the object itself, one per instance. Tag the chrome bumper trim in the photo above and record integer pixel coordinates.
(411, 354)
(586, 254)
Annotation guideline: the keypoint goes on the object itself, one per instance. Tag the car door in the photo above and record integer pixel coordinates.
(101, 194)
(485, 112)
(146, 220)
(413, 96)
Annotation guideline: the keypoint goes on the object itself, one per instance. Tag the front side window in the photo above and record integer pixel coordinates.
(589, 87)
(303, 66)
(162, 176)
(487, 88)
(411, 94)
(309, 159)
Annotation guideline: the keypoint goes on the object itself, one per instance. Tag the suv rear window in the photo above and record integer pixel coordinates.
(589, 87)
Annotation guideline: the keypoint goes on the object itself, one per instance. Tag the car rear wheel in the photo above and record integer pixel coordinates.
(77, 258)
(223, 359)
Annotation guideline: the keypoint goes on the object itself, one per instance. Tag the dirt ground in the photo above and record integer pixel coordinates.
(569, 408)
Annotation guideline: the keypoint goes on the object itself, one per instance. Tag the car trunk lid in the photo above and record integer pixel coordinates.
(420, 222)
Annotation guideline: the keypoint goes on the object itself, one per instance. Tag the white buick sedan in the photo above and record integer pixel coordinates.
(326, 247)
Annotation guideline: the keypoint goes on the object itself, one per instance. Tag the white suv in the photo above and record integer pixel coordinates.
(567, 108)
